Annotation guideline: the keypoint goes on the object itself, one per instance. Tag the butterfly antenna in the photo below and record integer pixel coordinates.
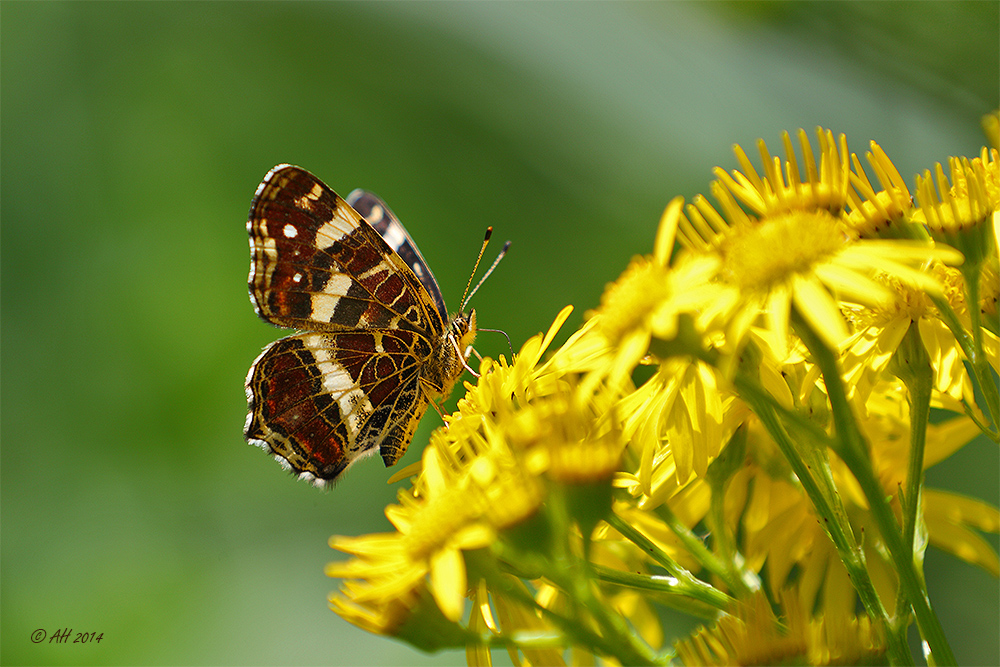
(467, 296)
(479, 258)
(505, 336)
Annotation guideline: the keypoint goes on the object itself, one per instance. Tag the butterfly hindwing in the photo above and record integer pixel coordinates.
(320, 401)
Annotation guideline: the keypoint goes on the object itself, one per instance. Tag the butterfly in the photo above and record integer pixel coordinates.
(375, 344)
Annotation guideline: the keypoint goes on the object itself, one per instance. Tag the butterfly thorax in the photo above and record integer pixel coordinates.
(450, 357)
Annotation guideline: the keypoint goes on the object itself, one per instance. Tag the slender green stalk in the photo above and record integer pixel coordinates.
(830, 510)
(912, 365)
(693, 545)
(524, 641)
(574, 575)
(574, 631)
(853, 450)
(701, 599)
(686, 582)
(972, 347)
(980, 367)
(720, 471)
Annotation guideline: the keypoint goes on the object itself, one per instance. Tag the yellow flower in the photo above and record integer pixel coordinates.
(681, 417)
(628, 303)
(823, 187)
(753, 635)
(433, 529)
(678, 449)
(534, 420)
(518, 434)
(651, 301)
(879, 213)
(800, 252)
(879, 331)
(781, 532)
(961, 213)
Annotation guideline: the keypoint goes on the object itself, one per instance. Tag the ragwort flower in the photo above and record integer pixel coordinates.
(796, 249)
(682, 447)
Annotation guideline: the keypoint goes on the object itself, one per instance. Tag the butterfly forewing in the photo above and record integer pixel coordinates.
(374, 349)
(316, 263)
(385, 222)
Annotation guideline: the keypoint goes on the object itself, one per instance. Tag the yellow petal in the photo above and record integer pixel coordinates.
(945, 438)
(957, 508)
(819, 309)
(448, 582)
(667, 231)
(947, 515)
(964, 544)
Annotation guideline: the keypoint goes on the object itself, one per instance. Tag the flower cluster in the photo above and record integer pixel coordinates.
(738, 431)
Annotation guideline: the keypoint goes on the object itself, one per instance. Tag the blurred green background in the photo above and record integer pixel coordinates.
(133, 137)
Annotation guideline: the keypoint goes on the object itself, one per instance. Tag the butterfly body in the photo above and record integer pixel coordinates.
(375, 344)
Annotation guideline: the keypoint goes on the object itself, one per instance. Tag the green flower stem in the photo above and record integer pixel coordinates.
(521, 640)
(912, 365)
(631, 648)
(720, 471)
(553, 557)
(971, 270)
(828, 506)
(692, 544)
(972, 347)
(708, 601)
(575, 631)
(685, 583)
(575, 576)
(853, 450)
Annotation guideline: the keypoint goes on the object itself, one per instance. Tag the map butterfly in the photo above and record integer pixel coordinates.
(375, 343)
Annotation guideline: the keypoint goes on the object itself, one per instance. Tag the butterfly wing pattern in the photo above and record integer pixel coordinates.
(375, 344)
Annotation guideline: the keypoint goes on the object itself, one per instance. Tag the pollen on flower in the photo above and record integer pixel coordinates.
(436, 522)
(631, 299)
(907, 303)
(953, 287)
(759, 256)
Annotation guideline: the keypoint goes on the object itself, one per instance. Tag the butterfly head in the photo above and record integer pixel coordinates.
(451, 355)
(463, 330)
